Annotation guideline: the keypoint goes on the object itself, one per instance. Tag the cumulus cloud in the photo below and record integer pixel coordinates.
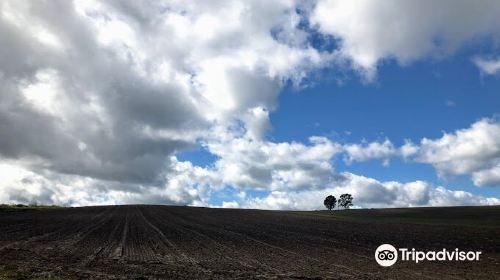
(377, 150)
(186, 184)
(487, 66)
(368, 192)
(87, 109)
(404, 30)
(369, 151)
(230, 204)
(291, 176)
(97, 98)
(408, 149)
(111, 91)
(471, 151)
(487, 177)
(247, 162)
(298, 176)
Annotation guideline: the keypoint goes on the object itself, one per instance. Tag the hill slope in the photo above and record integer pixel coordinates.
(184, 242)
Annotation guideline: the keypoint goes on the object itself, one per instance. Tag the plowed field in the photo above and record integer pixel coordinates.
(162, 242)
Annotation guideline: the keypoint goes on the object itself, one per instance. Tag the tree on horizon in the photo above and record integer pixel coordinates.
(330, 202)
(345, 201)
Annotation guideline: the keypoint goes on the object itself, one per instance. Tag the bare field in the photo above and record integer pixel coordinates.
(162, 242)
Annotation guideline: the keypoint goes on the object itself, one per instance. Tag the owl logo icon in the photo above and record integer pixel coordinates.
(386, 255)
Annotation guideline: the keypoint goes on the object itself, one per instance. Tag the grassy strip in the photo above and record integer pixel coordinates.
(23, 207)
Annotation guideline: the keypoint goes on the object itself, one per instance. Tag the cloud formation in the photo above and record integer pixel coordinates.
(369, 151)
(404, 30)
(471, 151)
(112, 90)
(108, 93)
(298, 176)
(369, 192)
(487, 66)
(97, 98)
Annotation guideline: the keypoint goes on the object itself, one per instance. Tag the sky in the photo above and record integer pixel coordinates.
(250, 104)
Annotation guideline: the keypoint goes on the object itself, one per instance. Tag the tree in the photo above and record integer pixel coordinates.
(330, 202)
(345, 201)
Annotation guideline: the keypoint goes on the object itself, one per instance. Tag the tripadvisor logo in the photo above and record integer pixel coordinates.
(387, 255)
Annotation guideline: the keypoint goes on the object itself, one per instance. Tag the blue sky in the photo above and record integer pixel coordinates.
(250, 104)
(420, 100)
(409, 102)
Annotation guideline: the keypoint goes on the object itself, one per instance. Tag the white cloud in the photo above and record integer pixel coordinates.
(98, 97)
(298, 176)
(131, 83)
(450, 103)
(44, 93)
(186, 184)
(377, 151)
(487, 177)
(471, 151)
(442, 196)
(247, 162)
(404, 30)
(374, 150)
(408, 149)
(230, 204)
(369, 192)
(487, 66)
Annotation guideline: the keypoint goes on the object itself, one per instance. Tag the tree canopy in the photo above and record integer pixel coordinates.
(345, 201)
(330, 202)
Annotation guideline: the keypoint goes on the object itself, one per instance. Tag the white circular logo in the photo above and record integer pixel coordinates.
(386, 255)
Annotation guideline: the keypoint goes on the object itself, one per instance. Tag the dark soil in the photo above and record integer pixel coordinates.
(161, 242)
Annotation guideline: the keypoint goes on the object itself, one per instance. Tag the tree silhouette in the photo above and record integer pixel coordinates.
(330, 202)
(345, 201)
